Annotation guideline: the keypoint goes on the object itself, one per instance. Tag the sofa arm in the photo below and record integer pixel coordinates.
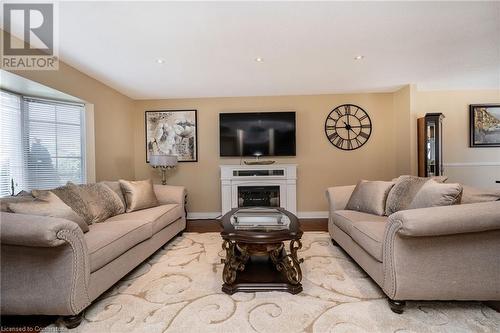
(338, 196)
(45, 266)
(34, 231)
(448, 220)
(168, 194)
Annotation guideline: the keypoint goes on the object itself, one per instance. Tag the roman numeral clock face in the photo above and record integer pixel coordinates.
(348, 127)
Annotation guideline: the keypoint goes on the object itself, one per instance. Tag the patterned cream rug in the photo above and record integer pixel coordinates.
(178, 289)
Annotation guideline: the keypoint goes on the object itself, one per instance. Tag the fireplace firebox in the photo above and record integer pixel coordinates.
(263, 196)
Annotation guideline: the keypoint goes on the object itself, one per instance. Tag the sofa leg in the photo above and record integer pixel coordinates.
(72, 321)
(397, 306)
(335, 243)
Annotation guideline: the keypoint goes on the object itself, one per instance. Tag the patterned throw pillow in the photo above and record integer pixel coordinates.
(403, 192)
(116, 187)
(94, 202)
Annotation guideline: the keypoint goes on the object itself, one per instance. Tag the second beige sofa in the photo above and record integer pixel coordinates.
(437, 253)
(49, 267)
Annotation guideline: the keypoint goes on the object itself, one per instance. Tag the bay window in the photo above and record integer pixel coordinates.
(42, 143)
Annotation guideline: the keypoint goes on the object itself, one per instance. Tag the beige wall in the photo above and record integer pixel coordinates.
(402, 142)
(319, 163)
(112, 118)
(473, 166)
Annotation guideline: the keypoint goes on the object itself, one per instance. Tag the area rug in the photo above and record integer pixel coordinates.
(178, 289)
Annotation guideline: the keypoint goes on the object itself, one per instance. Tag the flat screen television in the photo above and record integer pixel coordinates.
(257, 134)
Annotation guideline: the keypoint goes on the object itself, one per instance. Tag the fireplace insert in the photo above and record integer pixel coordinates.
(263, 196)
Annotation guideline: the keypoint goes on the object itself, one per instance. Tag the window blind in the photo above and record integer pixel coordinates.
(11, 161)
(45, 141)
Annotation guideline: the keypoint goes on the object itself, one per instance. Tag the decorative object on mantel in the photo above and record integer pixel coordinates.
(484, 129)
(172, 132)
(267, 162)
(348, 127)
(163, 162)
(258, 161)
(430, 145)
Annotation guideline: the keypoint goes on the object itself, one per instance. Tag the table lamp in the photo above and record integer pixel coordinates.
(163, 162)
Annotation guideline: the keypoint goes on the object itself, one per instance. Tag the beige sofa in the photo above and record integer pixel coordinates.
(438, 253)
(49, 267)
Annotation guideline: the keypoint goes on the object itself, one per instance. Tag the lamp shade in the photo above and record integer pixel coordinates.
(163, 160)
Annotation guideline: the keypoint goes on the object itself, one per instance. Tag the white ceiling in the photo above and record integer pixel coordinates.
(308, 48)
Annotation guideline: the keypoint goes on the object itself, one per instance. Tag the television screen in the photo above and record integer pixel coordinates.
(257, 134)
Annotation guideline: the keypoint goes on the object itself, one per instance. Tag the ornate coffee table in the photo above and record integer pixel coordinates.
(256, 258)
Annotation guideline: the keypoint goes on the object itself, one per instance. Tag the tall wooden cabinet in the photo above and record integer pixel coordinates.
(430, 145)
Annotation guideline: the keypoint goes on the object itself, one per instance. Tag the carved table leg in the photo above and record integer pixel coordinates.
(289, 264)
(235, 261)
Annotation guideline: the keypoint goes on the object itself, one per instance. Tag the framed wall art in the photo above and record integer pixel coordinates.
(172, 132)
(484, 125)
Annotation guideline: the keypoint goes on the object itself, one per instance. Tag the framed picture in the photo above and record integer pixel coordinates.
(484, 125)
(172, 132)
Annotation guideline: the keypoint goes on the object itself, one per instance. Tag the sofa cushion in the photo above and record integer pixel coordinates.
(138, 194)
(370, 236)
(370, 197)
(95, 202)
(345, 218)
(108, 240)
(21, 197)
(48, 204)
(404, 191)
(159, 216)
(434, 194)
(116, 187)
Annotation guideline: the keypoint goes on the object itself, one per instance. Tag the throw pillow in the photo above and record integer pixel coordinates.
(138, 194)
(94, 202)
(369, 197)
(473, 195)
(403, 192)
(115, 186)
(433, 194)
(21, 197)
(101, 201)
(48, 204)
(70, 196)
(439, 179)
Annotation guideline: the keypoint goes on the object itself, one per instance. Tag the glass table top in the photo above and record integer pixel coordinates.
(260, 218)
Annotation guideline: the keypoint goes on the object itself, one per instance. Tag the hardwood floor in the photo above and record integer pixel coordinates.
(213, 225)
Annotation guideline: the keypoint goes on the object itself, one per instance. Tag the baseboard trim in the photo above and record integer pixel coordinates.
(213, 215)
(202, 215)
(313, 215)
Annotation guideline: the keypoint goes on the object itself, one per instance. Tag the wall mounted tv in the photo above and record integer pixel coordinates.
(257, 134)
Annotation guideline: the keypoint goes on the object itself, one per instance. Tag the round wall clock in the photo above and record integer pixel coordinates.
(348, 127)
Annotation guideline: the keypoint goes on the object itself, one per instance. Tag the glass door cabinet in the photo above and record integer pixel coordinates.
(430, 145)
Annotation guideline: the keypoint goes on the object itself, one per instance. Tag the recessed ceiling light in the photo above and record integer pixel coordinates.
(259, 59)
(359, 57)
(160, 61)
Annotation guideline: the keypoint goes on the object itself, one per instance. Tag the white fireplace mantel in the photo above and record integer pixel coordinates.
(282, 175)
